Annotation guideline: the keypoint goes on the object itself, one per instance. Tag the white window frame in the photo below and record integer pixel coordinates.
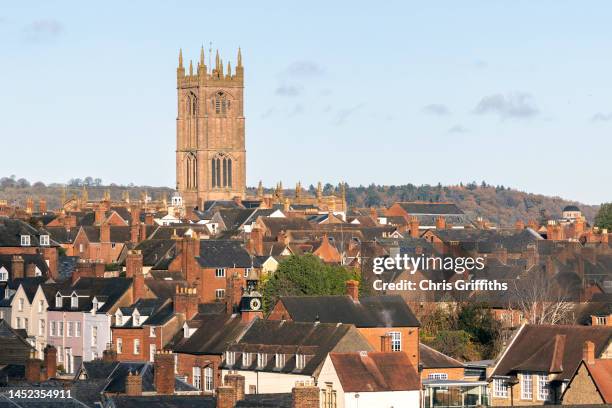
(396, 341)
(58, 301)
(119, 345)
(52, 328)
(262, 360)
(18, 322)
(20, 303)
(437, 376)
(208, 379)
(25, 240)
(60, 328)
(279, 360)
(151, 331)
(526, 386)
(152, 351)
(77, 329)
(41, 306)
(196, 377)
(94, 336)
(300, 361)
(136, 347)
(500, 388)
(220, 273)
(247, 271)
(543, 387)
(44, 240)
(69, 329)
(219, 293)
(74, 302)
(3, 274)
(247, 359)
(230, 358)
(41, 327)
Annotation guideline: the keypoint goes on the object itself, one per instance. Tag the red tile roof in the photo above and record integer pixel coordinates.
(601, 373)
(375, 371)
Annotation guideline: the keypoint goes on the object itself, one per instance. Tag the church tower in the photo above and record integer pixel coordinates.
(210, 148)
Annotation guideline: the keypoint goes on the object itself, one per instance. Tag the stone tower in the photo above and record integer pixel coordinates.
(210, 149)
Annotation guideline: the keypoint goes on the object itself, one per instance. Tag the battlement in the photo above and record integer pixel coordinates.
(218, 72)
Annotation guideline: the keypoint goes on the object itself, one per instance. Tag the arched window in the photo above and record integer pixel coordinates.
(191, 110)
(191, 171)
(221, 103)
(221, 171)
(192, 104)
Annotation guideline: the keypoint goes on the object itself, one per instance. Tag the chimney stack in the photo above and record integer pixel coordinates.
(133, 385)
(233, 293)
(51, 361)
(29, 205)
(133, 269)
(17, 267)
(519, 225)
(237, 382)
(226, 397)
(186, 301)
(414, 227)
(163, 364)
(109, 355)
(305, 395)
(99, 215)
(33, 368)
(30, 270)
(105, 233)
(42, 206)
(588, 352)
(352, 289)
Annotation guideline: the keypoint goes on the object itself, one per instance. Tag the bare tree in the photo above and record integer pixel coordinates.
(540, 299)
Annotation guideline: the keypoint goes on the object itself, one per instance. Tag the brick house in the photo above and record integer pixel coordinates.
(209, 266)
(374, 317)
(540, 360)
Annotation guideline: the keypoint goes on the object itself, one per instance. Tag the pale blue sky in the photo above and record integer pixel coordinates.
(517, 93)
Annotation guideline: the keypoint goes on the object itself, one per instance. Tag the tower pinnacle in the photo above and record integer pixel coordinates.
(180, 58)
(239, 60)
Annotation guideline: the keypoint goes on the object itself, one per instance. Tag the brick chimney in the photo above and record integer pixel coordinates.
(533, 225)
(143, 231)
(135, 214)
(190, 249)
(17, 267)
(305, 395)
(385, 343)
(233, 294)
(134, 233)
(133, 385)
(133, 269)
(50, 361)
(414, 227)
(588, 352)
(42, 206)
(33, 368)
(105, 232)
(186, 301)
(440, 223)
(519, 225)
(352, 289)
(163, 364)
(256, 240)
(99, 215)
(237, 382)
(109, 355)
(226, 396)
(30, 270)
(149, 219)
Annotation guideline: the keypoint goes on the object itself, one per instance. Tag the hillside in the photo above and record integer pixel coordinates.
(495, 203)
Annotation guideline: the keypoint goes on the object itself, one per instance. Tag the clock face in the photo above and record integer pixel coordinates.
(255, 304)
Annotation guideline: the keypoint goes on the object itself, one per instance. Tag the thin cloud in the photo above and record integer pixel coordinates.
(457, 129)
(304, 69)
(288, 90)
(297, 110)
(602, 117)
(42, 30)
(437, 109)
(344, 114)
(268, 113)
(480, 64)
(512, 106)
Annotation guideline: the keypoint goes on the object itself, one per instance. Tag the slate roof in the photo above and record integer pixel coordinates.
(282, 400)
(66, 266)
(155, 250)
(431, 358)
(116, 379)
(215, 334)
(156, 310)
(163, 401)
(118, 233)
(223, 254)
(373, 311)
(314, 340)
(15, 349)
(276, 225)
(375, 371)
(36, 259)
(62, 235)
(11, 230)
(165, 289)
(111, 288)
(551, 348)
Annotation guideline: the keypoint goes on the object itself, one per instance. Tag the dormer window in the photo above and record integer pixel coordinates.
(74, 301)
(246, 359)
(37, 271)
(230, 358)
(279, 360)
(262, 360)
(3, 274)
(44, 240)
(25, 240)
(118, 318)
(300, 361)
(136, 318)
(58, 300)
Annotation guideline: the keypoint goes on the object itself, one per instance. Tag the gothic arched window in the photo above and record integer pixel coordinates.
(191, 171)
(221, 171)
(221, 103)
